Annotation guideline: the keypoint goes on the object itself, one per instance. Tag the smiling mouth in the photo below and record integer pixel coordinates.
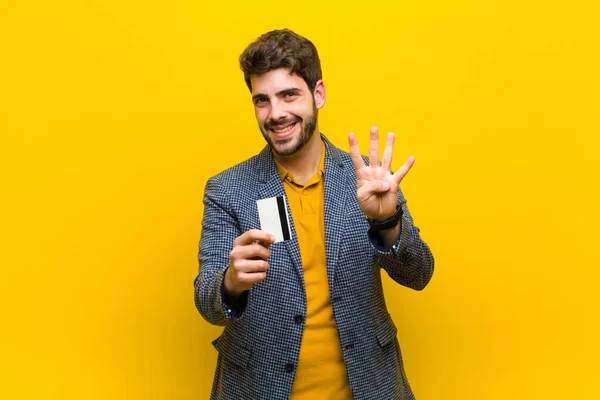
(284, 129)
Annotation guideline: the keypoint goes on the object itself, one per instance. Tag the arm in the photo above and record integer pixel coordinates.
(400, 250)
(219, 230)
(407, 260)
(230, 261)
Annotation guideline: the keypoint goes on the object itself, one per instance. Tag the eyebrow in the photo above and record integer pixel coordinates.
(262, 95)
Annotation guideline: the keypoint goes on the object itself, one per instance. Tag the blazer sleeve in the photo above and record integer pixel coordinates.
(219, 230)
(409, 262)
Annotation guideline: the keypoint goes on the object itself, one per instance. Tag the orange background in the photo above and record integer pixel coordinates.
(114, 113)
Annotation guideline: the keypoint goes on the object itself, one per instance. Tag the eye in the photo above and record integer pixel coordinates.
(260, 101)
(290, 95)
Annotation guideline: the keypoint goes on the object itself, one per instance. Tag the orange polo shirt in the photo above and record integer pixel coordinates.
(321, 372)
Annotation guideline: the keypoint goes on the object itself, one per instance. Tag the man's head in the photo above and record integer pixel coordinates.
(283, 72)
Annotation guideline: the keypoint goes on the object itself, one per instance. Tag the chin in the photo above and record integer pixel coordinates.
(286, 148)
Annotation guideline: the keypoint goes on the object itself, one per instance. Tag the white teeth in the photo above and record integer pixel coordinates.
(289, 128)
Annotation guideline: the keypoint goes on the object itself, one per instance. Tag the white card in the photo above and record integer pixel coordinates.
(274, 218)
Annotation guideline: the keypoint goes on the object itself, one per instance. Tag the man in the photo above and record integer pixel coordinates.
(305, 317)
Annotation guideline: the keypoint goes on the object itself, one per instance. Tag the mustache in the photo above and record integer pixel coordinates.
(274, 124)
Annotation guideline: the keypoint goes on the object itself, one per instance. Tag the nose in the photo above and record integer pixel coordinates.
(277, 111)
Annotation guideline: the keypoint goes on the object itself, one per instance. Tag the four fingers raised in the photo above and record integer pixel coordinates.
(386, 160)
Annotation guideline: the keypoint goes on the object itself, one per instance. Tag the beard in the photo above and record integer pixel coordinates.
(309, 124)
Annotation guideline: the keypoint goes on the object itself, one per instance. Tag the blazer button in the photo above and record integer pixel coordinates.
(298, 319)
(289, 367)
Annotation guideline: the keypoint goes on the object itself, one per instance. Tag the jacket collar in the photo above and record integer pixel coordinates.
(267, 167)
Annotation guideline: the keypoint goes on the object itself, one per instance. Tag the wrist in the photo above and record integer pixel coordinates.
(389, 237)
(229, 287)
(382, 225)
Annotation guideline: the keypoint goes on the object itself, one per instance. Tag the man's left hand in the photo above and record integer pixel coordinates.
(377, 188)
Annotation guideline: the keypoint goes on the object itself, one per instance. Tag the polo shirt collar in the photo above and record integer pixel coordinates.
(284, 173)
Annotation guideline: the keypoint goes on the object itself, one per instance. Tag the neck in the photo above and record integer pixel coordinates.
(305, 162)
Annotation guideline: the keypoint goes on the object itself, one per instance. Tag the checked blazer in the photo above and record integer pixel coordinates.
(260, 344)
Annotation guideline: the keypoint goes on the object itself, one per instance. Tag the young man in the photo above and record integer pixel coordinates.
(305, 318)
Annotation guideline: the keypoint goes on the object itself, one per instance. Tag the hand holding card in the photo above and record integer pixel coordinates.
(247, 262)
(248, 258)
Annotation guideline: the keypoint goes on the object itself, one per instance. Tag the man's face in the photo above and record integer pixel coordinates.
(285, 110)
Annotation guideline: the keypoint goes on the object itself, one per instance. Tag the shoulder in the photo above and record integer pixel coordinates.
(242, 179)
(232, 184)
(241, 173)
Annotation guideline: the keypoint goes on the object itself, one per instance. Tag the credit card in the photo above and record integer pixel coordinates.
(274, 217)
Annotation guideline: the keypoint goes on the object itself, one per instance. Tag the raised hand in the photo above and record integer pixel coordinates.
(377, 188)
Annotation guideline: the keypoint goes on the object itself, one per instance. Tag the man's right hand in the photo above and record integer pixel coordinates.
(247, 262)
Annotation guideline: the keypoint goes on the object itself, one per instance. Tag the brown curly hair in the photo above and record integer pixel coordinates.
(282, 49)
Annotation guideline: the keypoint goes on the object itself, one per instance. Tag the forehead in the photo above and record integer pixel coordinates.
(275, 81)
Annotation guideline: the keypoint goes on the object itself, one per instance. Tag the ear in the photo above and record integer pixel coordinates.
(319, 94)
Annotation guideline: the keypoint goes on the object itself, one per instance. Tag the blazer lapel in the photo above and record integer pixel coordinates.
(338, 184)
(272, 186)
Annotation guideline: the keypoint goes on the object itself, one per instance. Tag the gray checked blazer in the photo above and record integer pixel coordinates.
(259, 347)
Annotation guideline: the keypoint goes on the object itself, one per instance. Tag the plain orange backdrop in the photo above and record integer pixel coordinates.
(113, 114)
